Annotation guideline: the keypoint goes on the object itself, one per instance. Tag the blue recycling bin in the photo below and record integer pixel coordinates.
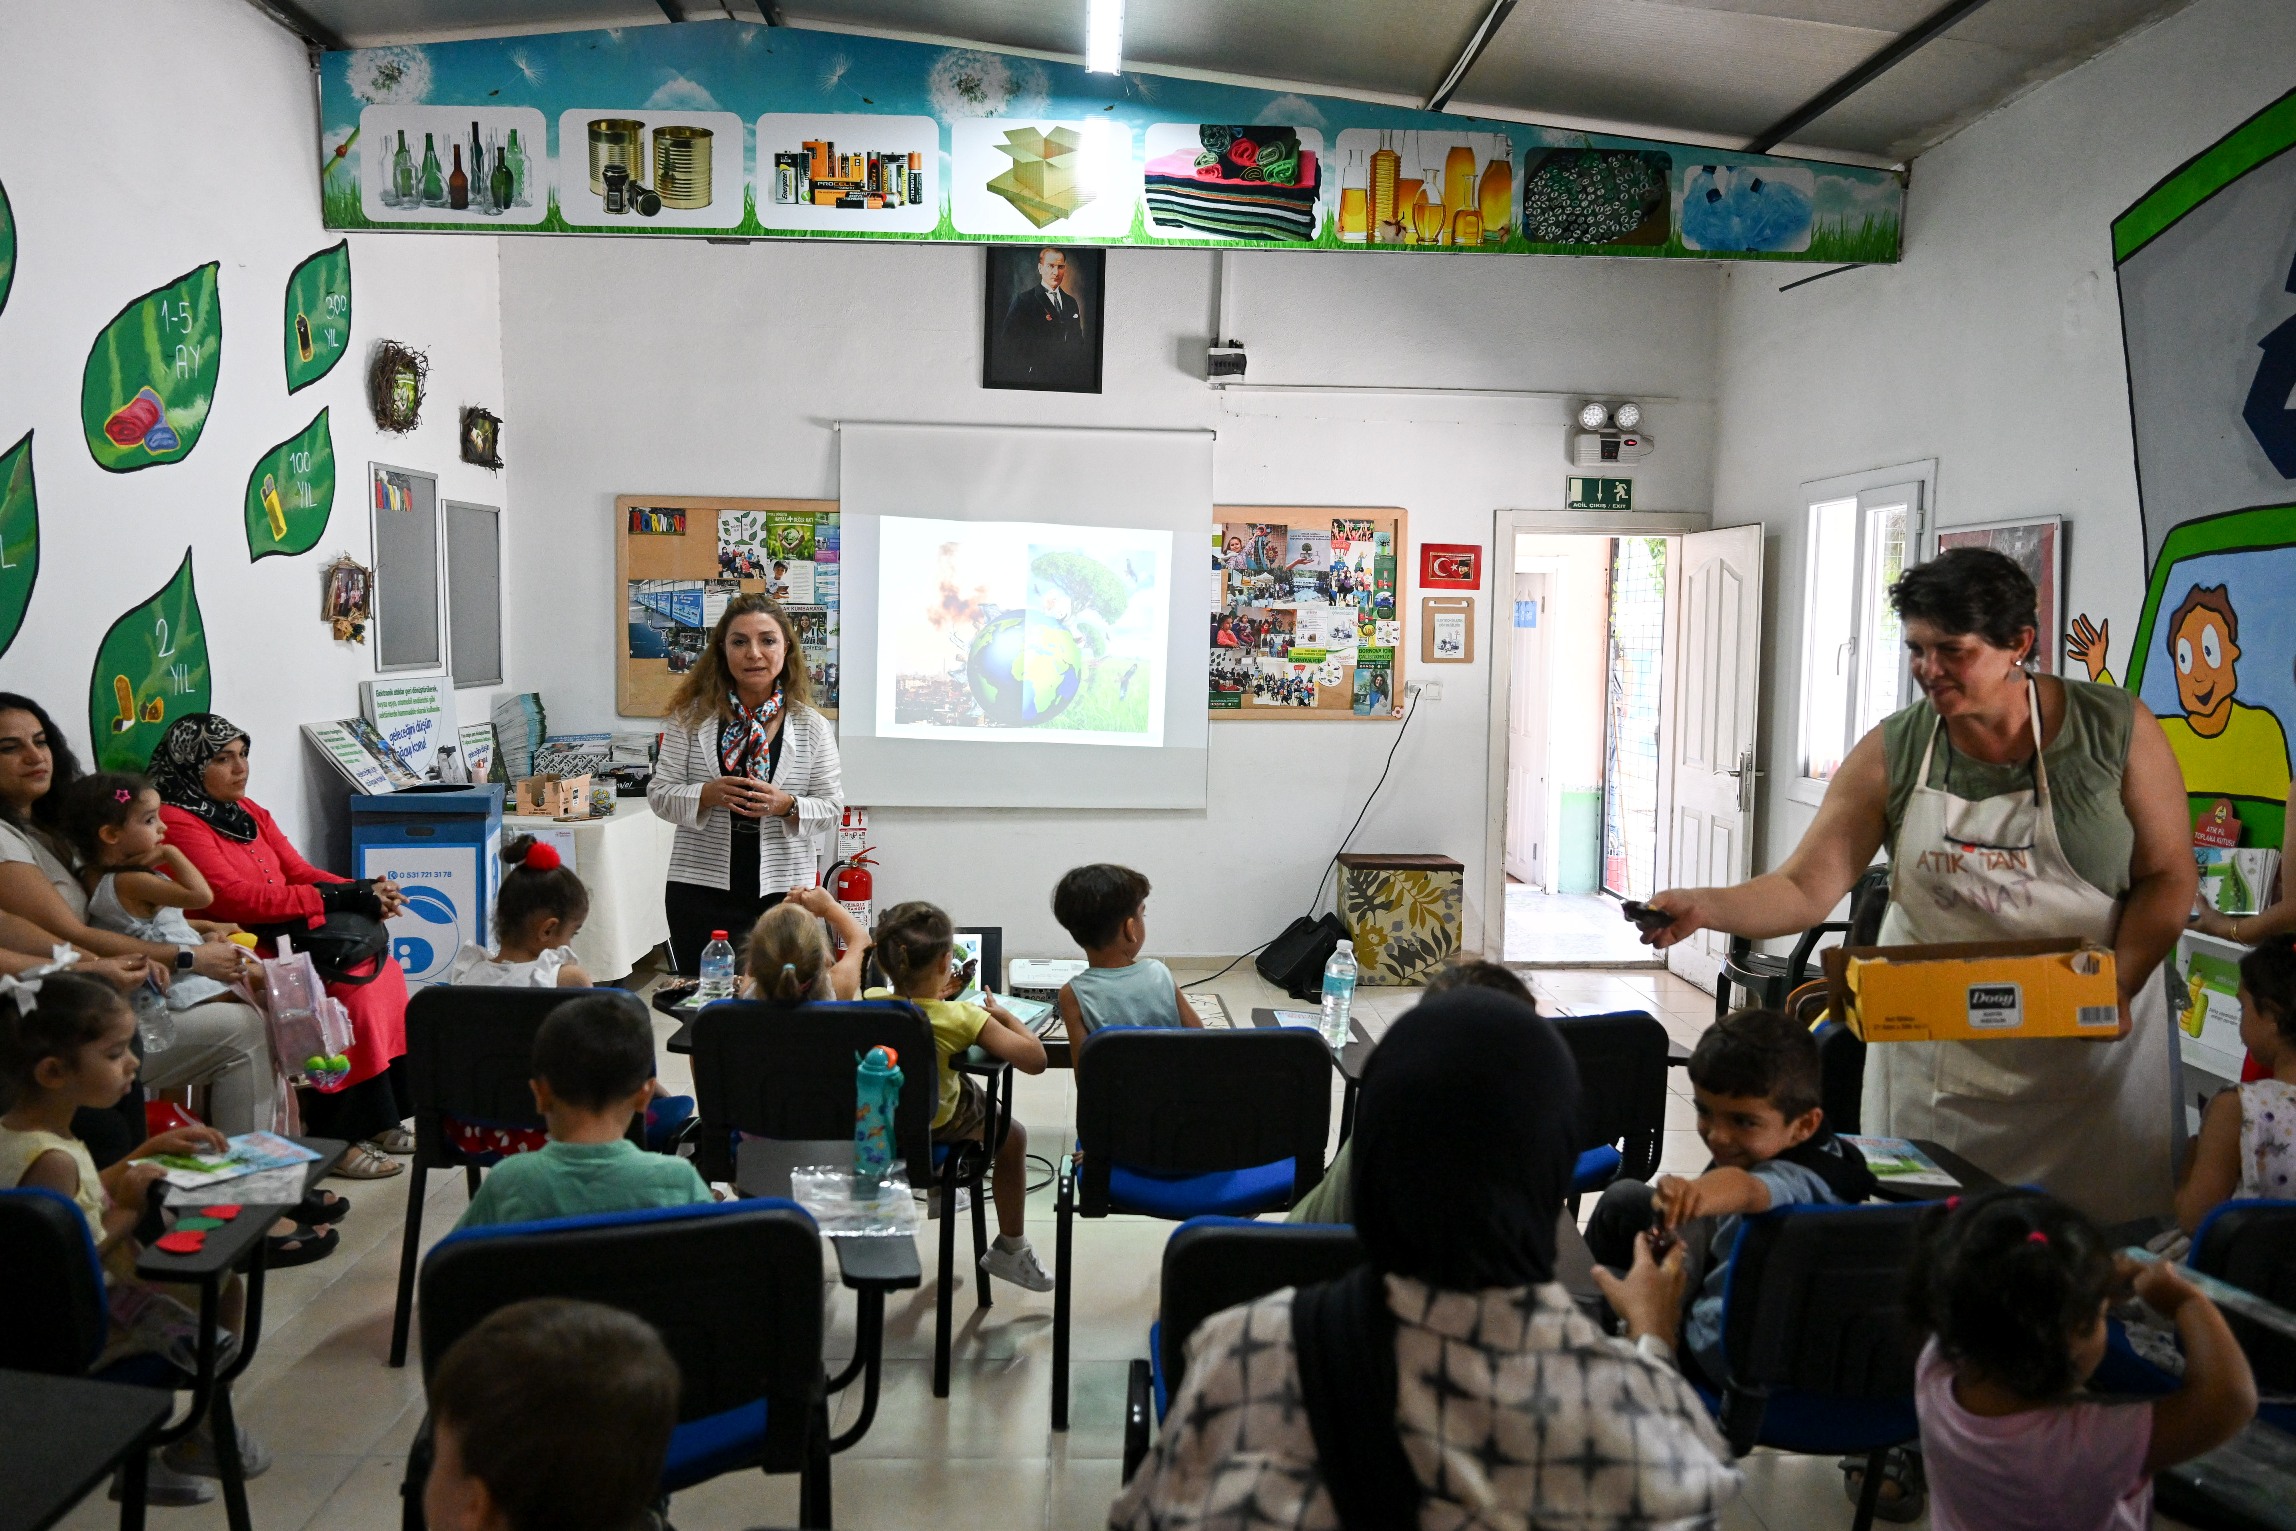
(443, 847)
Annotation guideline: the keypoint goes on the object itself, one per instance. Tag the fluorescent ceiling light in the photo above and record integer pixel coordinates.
(1104, 37)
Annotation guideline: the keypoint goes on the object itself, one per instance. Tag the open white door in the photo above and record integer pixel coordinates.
(1717, 665)
(1527, 836)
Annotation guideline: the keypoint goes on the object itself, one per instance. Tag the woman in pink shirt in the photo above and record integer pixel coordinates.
(2013, 1286)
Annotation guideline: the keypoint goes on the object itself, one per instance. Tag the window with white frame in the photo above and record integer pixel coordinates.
(1853, 664)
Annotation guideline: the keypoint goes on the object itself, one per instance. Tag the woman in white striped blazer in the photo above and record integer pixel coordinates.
(749, 773)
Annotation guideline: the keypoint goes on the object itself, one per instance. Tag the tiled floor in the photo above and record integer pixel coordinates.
(339, 1421)
(1579, 929)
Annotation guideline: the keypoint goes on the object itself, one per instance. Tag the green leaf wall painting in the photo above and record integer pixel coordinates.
(151, 375)
(19, 538)
(7, 247)
(151, 668)
(291, 492)
(318, 315)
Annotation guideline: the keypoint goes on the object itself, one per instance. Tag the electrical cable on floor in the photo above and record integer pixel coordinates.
(1410, 710)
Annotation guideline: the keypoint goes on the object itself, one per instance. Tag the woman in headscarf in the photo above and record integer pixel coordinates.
(1449, 1380)
(262, 882)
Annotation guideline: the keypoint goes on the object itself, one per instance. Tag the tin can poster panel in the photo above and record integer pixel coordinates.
(2037, 548)
(1238, 183)
(1063, 178)
(848, 171)
(409, 156)
(625, 168)
(1426, 188)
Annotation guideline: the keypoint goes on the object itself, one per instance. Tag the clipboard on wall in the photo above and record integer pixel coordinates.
(1447, 629)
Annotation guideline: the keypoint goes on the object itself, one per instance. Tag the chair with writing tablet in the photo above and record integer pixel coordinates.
(1185, 1123)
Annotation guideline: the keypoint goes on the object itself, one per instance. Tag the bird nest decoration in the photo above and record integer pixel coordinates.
(395, 387)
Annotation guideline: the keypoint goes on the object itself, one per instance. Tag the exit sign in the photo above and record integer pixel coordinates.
(1600, 494)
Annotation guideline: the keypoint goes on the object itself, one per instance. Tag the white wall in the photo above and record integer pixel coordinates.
(1994, 346)
(143, 138)
(687, 368)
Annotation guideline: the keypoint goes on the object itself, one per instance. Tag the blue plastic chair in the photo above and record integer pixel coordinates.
(1819, 1347)
(1211, 1264)
(54, 1320)
(2252, 1245)
(1186, 1123)
(1622, 1065)
(786, 1072)
(734, 1289)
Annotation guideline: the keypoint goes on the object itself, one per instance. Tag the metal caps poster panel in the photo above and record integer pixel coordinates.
(732, 130)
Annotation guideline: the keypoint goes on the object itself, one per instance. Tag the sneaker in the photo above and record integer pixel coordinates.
(163, 1485)
(1018, 1266)
(195, 1455)
(933, 1201)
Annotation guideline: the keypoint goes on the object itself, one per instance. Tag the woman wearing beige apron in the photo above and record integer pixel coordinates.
(2013, 808)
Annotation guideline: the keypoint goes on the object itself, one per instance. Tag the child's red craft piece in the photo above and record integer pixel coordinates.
(225, 1210)
(181, 1243)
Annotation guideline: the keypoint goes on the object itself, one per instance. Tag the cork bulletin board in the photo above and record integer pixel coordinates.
(679, 558)
(1307, 612)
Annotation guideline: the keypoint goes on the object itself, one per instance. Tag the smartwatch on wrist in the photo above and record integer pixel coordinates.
(183, 959)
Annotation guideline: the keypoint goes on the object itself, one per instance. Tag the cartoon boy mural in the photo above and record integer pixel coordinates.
(2226, 747)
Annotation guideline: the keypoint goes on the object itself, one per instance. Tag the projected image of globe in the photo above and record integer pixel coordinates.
(1023, 669)
(1001, 627)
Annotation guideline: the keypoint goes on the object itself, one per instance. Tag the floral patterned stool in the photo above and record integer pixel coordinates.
(1403, 913)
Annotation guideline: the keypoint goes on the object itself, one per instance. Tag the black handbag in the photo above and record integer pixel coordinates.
(342, 941)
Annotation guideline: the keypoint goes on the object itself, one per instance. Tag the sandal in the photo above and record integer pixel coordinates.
(1904, 1491)
(394, 1140)
(320, 1208)
(364, 1161)
(299, 1247)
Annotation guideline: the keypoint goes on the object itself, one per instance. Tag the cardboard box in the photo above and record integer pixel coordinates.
(553, 797)
(1976, 991)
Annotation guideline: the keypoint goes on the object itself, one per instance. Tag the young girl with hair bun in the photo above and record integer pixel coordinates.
(790, 961)
(538, 911)
(2012, 1286)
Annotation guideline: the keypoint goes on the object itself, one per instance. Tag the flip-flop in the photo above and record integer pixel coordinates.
(300, 1247)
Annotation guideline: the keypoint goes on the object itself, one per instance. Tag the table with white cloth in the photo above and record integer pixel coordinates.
(623, 859)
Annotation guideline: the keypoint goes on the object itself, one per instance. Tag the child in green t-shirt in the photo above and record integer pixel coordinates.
(593, 1071)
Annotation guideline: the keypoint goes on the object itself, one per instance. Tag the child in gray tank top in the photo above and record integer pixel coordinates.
(1103, 908)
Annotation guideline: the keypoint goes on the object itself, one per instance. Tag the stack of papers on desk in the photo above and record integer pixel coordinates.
(247, 1154)
(1895, 1161)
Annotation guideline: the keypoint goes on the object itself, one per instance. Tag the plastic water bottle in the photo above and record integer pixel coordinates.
(876, 1092)
(1338, 994)
(717, 968)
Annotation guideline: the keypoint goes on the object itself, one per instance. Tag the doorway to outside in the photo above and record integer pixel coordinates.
(1629, 656)
(1585, 679)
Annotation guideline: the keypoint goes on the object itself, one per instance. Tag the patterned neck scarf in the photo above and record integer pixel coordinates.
(179, 772)
(744, 745)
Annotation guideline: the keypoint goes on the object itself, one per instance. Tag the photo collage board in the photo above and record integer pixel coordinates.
(680, 559)
(1307, 612)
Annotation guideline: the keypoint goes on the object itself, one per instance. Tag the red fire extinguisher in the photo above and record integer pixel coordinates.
(851, 884)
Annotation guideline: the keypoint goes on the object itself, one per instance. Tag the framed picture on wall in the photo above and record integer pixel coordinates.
(2038, 546)
(1041, 318)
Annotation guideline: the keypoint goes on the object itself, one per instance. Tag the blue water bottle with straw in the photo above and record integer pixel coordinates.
(876, 1092)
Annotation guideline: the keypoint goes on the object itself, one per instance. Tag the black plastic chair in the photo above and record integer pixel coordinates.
(786, 1072)
(1186, 1123)
(1212, 1264)
(2251, 1244)
(1622, 1096)
(1768, 979)
(53, 1320)
(470, 1055)
(1819, 1346)
(734, 1290)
